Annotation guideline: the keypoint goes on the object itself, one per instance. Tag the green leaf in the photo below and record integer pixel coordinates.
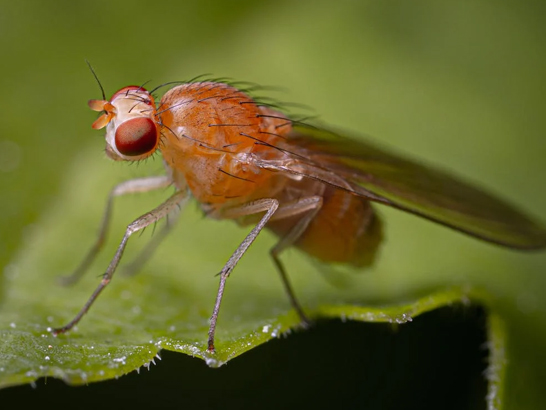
(167, 305)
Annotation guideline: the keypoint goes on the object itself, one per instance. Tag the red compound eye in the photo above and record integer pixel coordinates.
(137, 136)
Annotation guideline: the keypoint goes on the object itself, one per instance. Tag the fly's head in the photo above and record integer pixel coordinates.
(132, 131)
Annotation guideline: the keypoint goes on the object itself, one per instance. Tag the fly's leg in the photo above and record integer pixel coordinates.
(310, 205)
(175, 201)
(128, 187)
(145, 254)
(267, 205)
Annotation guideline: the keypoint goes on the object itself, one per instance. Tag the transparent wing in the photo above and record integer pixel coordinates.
(398, 182)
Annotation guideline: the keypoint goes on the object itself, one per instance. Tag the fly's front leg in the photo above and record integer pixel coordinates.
(268, 205)
(127, 187)
(146, 253)
(175, 201)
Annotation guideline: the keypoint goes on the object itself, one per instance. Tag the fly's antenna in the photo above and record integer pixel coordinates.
(96, 78)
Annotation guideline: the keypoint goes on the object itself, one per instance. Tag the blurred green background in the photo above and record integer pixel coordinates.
(459, 84)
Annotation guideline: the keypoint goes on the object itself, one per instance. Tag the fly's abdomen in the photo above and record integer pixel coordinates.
(345, 230)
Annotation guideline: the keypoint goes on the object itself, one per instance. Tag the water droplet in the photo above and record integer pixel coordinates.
(275, 332)
(31, 373)
(121, 359)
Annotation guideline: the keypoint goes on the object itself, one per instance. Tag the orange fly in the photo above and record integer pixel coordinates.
(314, 189)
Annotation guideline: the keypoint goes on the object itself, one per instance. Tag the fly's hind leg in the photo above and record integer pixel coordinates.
(267, 205)
(310, 205)
(272, 212)
(127, 187)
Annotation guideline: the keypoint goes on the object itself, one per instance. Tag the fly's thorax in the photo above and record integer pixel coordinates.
(219, 116)
(219, 178)
(213, 134)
